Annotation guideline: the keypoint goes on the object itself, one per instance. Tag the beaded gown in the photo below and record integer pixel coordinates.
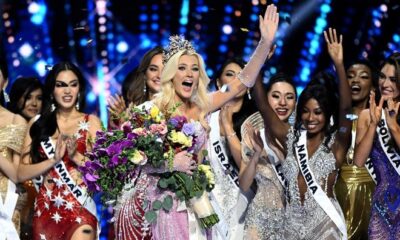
(11, 139)
(385, 214)
(264, 218)
(57, 213)
(308, 220)
(136, 198)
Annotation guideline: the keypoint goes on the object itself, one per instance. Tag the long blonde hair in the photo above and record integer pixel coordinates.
(165, 100)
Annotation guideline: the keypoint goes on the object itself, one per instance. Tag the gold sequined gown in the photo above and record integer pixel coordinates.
(354, 190)
(11, 139)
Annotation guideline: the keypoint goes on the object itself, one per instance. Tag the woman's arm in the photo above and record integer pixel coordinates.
(366, 130)
(247, 77)
(343, 137)
(280, 128)
(248, 170)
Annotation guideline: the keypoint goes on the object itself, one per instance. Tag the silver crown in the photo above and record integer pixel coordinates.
(176, 44)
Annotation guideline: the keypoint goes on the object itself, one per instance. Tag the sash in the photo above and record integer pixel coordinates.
(217, 150)
(79, 194)
(7, 230)
(275, 162)
(319, 195)
(384, 139)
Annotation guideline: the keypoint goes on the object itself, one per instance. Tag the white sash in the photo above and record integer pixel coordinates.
(275, 162)
(319, 195)
(217, 150)
(80, 194)
(385, 138)
(7, 228)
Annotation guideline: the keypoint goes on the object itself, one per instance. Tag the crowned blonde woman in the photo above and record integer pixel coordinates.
(184, 81)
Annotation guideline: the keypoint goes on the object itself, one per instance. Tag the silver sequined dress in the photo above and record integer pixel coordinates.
(308, 220)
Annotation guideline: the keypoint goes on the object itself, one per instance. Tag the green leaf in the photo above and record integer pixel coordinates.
(167, 203)
(150, 216)
(157, 205)
(163, 183)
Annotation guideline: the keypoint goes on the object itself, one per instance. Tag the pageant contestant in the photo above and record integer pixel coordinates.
(12, 132)
(264, 219)
(378, 137)
(53, 151)
(225, 155)
(184, 81)
(141, 84)
(26, 96)
(355, 186)
(314, 151)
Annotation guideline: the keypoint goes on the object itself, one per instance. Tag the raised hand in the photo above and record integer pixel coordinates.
(391, 112)
(375, 112)
(269, 23)
(335, 48)
(226, 115)
(116, 105)
(71, 145)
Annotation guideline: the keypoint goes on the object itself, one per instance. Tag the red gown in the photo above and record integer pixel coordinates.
(57, 212)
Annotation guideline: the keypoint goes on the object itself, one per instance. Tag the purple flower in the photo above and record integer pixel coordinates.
(177, 121)
(188, 129)
(126, 127)
(113, 161)
(91, 177)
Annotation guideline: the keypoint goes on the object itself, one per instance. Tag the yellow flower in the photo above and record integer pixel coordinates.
(181, 138)
(154, 111)
(138, 157)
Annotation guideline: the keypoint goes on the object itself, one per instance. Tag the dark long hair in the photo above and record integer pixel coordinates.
(323, 89)
(4, 71)
(248, 106)
(21, 89)
(46, 125)
(134, 83)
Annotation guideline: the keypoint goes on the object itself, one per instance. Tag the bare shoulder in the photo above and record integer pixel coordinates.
(95, 123)
(364, 118)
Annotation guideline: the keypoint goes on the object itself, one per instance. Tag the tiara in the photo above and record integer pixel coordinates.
(176, 44)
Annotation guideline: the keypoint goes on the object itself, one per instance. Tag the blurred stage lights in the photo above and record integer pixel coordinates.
(227, 29)
(122, 47)
(25, 50)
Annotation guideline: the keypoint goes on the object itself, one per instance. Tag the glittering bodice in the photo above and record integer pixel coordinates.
(322, 163)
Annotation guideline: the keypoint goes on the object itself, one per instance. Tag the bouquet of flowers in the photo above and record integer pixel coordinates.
(182, 135)
(117, 153)
(149, 137)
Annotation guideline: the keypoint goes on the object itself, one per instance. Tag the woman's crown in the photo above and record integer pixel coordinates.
(176, 44)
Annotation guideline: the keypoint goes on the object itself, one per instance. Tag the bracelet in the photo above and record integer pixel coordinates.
(230, 135)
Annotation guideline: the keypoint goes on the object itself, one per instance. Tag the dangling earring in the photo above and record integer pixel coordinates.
(145, 88)
(53, 106)
(6, 97)
(248, 93)
(77, 102)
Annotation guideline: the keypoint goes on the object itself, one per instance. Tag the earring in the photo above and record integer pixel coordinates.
(145, 88)
(6, 97)
(248, 93)
(77, 102)
(53, 107)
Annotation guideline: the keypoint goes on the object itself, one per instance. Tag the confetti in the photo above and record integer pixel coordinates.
(244, 29)
(79, 28)
(48, 67)
(89, 42)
